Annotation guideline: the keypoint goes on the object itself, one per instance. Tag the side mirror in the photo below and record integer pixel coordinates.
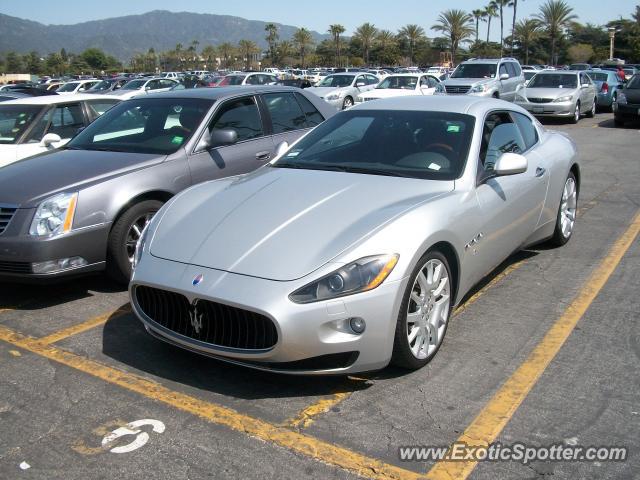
(281, 148)
(510, 164)
(222, 137)
(504, 76)
(49, 139)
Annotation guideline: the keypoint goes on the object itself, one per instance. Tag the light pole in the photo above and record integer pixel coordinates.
(612, 36)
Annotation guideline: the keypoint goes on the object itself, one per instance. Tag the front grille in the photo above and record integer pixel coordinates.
(539, 100)
(15, 267)
(219, 325)
(6, 214)
(457, 89)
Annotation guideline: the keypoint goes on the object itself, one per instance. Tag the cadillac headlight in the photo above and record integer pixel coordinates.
(479, 88)
(359, 276)
(564, 98)
(621, 99)
(54, 216)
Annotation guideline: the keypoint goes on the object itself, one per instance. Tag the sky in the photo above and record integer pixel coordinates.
(313, 15)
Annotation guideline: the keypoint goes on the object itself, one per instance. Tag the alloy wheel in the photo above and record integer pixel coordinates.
(134, 233)
(568, 207)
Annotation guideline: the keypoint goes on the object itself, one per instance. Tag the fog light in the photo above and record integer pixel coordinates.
(357, 325)
(51, 266)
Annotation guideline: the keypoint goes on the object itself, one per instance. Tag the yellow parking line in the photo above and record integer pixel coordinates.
(306, 416)
(494, 416)
(298, 442)
(84, 326)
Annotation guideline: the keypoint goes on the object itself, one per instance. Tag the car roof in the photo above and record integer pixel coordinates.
(55, 99)
(220, 92)
(438, 103)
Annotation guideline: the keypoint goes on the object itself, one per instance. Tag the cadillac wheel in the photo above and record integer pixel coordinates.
(424, 314)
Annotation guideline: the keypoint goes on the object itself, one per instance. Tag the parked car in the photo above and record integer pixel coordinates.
(627, 104)
(33, 125)
(252, 78)
(316, 76)
(82, 208)
(108, 85)
(607, 86)
(78, 86)
(341, 89)
(528, 73)
(295, 82)
(212, 80)
(498, 78)
(579, 66)
(453, 186)
(143, 86)
(398, 85)
(563, 94)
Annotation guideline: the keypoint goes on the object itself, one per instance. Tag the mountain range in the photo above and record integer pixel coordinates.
(124, 36)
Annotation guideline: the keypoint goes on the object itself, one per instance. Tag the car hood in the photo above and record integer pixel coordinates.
(324, 91)
(8, 154)
(388, 92)
(27, 182)
(549, 92)
(282, 224)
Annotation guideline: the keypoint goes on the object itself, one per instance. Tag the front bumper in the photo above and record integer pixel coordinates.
(306, 332)
(19, 250)
(627, 111)
(337, 104)
(560, 109)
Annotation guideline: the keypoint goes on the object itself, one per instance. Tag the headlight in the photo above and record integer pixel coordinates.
(359, 276)
(621, 99)
(479, 88)
(564, 98)
(140, 246)
(334, 96)
(54, 216)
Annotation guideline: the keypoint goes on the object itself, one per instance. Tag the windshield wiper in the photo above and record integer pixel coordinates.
(287, 165)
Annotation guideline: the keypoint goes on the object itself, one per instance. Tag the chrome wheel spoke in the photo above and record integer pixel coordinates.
(440, 288)
(413, 334)
(413, 318)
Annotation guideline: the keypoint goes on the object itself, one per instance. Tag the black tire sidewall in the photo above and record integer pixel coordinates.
(344, 103)
(402, 355)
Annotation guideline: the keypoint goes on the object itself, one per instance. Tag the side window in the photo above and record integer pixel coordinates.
(286, 114)
(253, 80)
(499, 135)
(166, 83)
(240, 115)
(314, 117)
(371, 80)
(503, 69)
(516, 67)
(433, 83)
(511, 70)
(360, 80)
(66, 120)
(528, 131)
(98, 107)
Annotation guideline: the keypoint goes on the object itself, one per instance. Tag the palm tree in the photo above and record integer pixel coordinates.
(284, 50)
(554, 16)
(303, 40)
(500, 4)
(514, 4)
(336, 30)
(366, 33)
(413, 34)
(458, 25)
(226, 51)
(271, 38)
(479, 15)
(248, 49)
(209, 54)
(490, 12)
(526, 32)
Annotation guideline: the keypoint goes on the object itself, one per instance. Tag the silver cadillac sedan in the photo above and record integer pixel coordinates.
(351, 249)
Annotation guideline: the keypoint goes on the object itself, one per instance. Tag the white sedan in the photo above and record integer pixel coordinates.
(76, 86)
(401, 85)
(142, 86)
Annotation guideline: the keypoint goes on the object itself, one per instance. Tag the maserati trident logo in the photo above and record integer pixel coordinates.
(195, 316)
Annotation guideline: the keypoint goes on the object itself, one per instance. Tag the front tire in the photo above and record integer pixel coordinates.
(576, 114)
(347, 103)
(124, 236)
(618, 122)
(567, 211)
(424, 313)
(592, 113)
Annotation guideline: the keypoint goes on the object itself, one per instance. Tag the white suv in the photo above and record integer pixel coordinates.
(485, 77)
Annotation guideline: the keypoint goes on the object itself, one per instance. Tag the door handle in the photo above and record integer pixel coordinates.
(266, 155)
(540, 171)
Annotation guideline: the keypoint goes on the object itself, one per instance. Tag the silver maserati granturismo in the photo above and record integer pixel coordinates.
(351, 249)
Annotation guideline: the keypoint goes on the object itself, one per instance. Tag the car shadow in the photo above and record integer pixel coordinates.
(609, 123)
(30, 297)
(125, 340)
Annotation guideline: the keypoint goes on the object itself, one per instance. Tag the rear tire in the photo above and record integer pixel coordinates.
(347, 103)
(122, 238)
(424, 312)
(592, 113)
(567, 211)
(618, 122)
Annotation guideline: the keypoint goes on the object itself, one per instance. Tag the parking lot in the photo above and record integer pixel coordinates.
(77, 365)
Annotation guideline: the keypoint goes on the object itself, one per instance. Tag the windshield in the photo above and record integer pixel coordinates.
(404, 83)
(158, 125)
(634, 83)
(554, 80)
(599, 77)
(69, 87)
(102, 86)
(579, 66)
(475, 70)
(528, 75)
(416, 144)
(15, 119)
(134, 85)
(336, 81)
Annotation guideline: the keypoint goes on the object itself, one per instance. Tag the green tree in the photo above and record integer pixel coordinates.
(555, 16)
(386, 48)
(336, 30)
(33, 63)
(412, 34)
(457, 25)
(13, 63)
(248, 50)
(94, 58)
(580, 52)
(55, 64)
(303, 41)
(500, 5)
(479, 16)
(226, 52)
(272, 39)
(490, 11)
(514, 4)
(366, 34)
(209, 54)
(285, 52)
(526, 32)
